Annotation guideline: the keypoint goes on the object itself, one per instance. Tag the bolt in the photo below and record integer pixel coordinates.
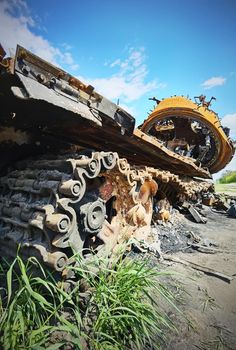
(76, 189)
(63, 224)
(61, 262)
(93, 165)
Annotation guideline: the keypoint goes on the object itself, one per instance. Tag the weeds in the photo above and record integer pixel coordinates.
(113, 305)
(32, 307)
(126, 313)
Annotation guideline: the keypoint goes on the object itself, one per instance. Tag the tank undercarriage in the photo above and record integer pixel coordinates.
(53, 206)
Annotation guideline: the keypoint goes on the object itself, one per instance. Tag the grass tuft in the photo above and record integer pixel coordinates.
(123, 312)
(114, 304)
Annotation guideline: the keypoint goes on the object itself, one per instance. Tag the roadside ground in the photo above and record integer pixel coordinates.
(226, 188)
(208, 303)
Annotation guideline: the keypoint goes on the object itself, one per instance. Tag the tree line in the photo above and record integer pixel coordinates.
(228, 177)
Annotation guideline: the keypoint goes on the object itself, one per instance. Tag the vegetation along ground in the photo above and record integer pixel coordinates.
(111, 306)
(131, 302)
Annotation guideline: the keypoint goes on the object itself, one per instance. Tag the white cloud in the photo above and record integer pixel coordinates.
(129, 82)
(68, 59)
(212, 82)
(66, 46)
(127, 78)
(229, 120)
(74, 66)
(120, 87)
(17, 28)
(115, 63)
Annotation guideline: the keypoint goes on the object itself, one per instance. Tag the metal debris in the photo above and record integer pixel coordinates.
(88, 180)
(232, 210)
(195, 214)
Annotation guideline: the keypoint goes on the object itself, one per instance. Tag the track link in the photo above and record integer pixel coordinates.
(53, 206)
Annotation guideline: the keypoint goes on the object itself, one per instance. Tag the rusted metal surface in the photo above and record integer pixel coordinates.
(56, 204)
(139, 149)
(2, 53)
(192, 130)
(78, 115)
(42, 80)
(92, 180)
(53, 205)
(34, 91)
(6, 63)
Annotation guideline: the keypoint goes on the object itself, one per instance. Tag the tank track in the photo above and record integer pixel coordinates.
(175, 186)
(53, 206)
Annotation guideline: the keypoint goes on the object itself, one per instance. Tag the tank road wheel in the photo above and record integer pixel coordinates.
(79, 203)
(52, 207)
(93, 216)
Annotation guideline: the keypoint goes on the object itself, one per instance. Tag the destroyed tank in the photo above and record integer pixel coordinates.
(76, 176)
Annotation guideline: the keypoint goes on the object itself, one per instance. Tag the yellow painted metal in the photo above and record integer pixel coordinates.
(179, 106)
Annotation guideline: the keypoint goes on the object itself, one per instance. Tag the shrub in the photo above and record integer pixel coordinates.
(228, 177)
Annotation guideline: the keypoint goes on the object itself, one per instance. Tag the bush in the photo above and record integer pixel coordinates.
(228, 177)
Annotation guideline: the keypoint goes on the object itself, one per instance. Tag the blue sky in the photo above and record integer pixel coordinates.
(133, 50)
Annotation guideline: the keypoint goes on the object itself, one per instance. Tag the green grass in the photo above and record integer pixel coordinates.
(32, 308)
(113, 305)
(226, 188)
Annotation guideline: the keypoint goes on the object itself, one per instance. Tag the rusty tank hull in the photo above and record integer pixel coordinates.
(75, 173)
(192, 130)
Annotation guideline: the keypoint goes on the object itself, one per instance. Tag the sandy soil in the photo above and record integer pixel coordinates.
(208, 302)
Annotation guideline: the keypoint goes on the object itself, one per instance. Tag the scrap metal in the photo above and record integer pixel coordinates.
(75, 173)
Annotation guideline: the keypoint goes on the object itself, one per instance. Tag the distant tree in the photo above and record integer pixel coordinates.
(228, 177)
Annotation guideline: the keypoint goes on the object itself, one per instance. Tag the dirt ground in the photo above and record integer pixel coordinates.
(207, 317)
(208, 303)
